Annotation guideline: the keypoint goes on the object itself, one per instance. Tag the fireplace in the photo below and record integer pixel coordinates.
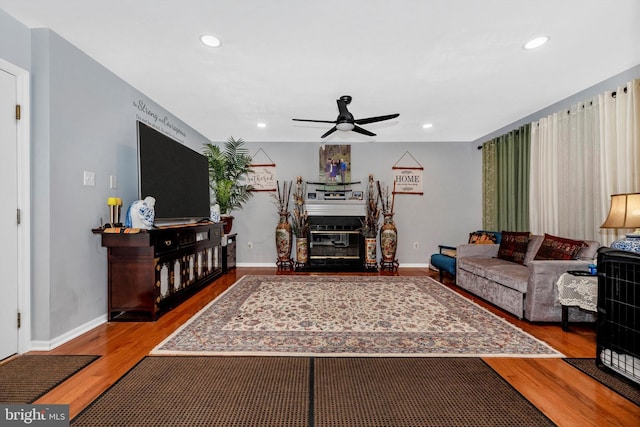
(335, 241)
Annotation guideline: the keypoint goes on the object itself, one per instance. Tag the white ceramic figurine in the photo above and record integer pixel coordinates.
(141, 213)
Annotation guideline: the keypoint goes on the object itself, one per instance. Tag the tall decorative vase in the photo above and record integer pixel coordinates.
(302, 251)
(371, 248)
(283, 240)
(388, 241)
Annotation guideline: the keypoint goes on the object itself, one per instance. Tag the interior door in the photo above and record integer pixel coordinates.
(8, 216)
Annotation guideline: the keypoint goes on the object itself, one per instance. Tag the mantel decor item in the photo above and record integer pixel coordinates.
(300, 224)
(228, 169)
(371, 224)
(284, 234)
(625, 213)
(388, 231)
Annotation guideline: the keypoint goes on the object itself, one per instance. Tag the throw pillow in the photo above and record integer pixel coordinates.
(559, 248)
(513, 246)
(449, 252)
(482, 238)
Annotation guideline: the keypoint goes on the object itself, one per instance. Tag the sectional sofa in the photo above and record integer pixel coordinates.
(518, 282)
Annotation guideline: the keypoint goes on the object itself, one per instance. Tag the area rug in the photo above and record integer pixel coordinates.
(302, 391)
(622, 386)
(348, 316)
(27, 377)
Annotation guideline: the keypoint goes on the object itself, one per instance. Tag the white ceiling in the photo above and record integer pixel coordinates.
(458, 64)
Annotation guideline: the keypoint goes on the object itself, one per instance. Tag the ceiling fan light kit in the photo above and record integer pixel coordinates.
(345, 120)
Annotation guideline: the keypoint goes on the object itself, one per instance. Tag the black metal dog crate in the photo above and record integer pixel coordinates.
(618, 326)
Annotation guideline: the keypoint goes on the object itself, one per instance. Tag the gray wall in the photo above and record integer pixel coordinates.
(449, 208)
(607, 85)
(15, 41)
(83, 119)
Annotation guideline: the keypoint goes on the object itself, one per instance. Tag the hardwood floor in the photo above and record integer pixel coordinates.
(564, 394)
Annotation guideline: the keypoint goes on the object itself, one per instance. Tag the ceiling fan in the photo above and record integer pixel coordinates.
(345, 120)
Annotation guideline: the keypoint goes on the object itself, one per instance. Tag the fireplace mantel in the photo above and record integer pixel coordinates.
(335, 208)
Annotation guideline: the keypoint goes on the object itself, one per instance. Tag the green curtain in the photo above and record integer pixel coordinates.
(505, 181)
(489, 186)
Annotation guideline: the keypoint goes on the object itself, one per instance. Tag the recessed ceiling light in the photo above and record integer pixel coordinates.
(427, 125)
(536, 42)
(210, 40)
(262, 125)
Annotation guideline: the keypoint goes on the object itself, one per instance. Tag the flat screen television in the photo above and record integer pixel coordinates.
(175, 175)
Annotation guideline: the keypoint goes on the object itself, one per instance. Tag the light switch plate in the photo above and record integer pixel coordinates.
(89, 179)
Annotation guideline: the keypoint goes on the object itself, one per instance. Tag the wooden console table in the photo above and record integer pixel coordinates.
(153, 270)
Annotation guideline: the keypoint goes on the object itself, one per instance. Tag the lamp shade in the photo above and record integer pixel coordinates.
(624, 211)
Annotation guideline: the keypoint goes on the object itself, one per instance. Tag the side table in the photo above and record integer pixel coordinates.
(577, 291)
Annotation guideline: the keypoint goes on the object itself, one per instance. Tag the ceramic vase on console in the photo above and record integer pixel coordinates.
(388, 239)
(302, 250)
(283, 239)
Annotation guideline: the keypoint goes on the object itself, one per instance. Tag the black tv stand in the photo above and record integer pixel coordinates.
(152, 271)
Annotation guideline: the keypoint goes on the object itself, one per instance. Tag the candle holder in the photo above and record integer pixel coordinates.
(115, 205)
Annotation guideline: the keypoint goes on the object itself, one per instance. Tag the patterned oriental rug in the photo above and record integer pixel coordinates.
(348, 316)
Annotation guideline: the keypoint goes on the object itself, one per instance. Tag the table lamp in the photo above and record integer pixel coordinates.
(625, 213)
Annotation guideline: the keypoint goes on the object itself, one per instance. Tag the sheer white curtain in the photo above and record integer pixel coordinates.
(563, 186)
(620, 148)
(579, 157)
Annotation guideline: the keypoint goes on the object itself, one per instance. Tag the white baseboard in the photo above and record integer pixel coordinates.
(256, 264)
(67, 336)
(273, 264)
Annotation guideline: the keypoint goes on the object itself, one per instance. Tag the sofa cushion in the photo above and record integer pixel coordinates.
(449, 252)
(513, 246)
(589, 252)
(535, 240)
(483, 238)
(506, 273)
(559, 248)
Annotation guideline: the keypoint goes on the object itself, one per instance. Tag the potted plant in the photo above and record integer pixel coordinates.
(228, 169)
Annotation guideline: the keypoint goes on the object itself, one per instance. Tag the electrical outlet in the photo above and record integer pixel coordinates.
(416, 245)
(113, 181)
(89, 179)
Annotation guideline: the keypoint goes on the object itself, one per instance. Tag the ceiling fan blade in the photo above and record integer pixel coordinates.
(329, 132)
(362, 131)
(376, 119)
(314, 121)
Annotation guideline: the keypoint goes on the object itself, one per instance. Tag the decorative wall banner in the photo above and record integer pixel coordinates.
(263, 175)
(407, 179)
